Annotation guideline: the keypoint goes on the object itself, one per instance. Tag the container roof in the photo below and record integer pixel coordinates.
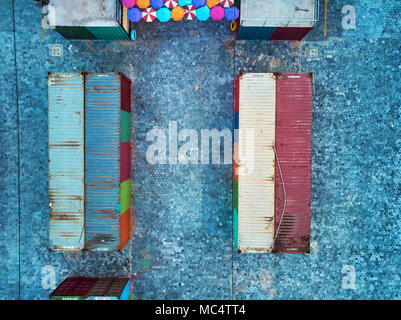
(85, 13)
(279, 13)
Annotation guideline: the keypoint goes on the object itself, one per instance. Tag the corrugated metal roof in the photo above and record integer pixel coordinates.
(294, 151)
(102, 176)
(279, 13)
(255, 33)
(74, 287)
(256, 178)
(291, 34)
(66, 161)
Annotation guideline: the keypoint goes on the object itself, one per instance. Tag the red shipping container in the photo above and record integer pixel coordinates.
(294, 94)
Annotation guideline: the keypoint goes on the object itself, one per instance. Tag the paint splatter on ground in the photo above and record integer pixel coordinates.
(184, 72)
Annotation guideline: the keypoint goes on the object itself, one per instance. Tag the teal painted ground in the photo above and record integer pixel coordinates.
(182, 245)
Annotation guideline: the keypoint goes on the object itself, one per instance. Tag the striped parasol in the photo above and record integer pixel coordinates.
(149, 14)
(227, 3)
(170, 3)
(190, 12)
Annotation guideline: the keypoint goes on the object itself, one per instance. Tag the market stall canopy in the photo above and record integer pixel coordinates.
(231, 14)
(177, 14)
(143, 4)
(212, 3)
(134, 14)
(190, 12)
(171, 3)
(227, 3)
(128, 3)
(217, 13)
(149, 14)
(184, 3)
(163, 14)
(156, 4)
(203, 13)
(198, 3)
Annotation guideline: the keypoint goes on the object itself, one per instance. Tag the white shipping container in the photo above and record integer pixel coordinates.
(257, 107)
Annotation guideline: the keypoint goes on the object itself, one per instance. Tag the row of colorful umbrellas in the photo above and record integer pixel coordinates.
(157, 4)
(178, 13)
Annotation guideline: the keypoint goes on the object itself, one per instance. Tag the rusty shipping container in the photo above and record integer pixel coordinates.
(108, 161)
(66, 161)
(73, 288)
(294, 152)
(277, 19)
(254, 166)
(91, 288)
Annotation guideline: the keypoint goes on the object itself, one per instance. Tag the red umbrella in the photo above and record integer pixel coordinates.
(190, 12)
(149, 14)
(171, 3)
(227, 3)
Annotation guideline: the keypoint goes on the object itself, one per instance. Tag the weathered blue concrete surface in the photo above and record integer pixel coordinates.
(184, 72)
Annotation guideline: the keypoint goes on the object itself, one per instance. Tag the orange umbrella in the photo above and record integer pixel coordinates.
(143, 4)
(177, 13)
(212, 3)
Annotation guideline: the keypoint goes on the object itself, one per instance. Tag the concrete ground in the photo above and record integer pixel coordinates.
(184, 72)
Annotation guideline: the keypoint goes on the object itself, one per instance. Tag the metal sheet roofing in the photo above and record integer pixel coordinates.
(256, 162)
(102, 158)
(66, 161)
(278, 13)
(294, 151)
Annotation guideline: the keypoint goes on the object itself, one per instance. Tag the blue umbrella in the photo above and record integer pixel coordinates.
(184, 3)
(203, 13)
(163, 14)
(134, 14)
(156, 4)
(231, 14)
(198, 3)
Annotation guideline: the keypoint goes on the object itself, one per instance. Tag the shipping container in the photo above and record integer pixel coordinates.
(294, 153)
(276, 19)
(91, 288)
(254, 167)
(110, 289)
(66, 161)
(91, 20)
(108, 161)
(73, 288)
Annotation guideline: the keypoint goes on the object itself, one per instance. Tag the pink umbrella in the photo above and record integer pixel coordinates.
(149, 14)
(190, 12)
(129, 3)
(227, 3)
(217, 13)
(170, 3)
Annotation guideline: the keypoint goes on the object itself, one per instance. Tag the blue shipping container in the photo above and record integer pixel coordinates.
(102, 159)
(66, 161)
